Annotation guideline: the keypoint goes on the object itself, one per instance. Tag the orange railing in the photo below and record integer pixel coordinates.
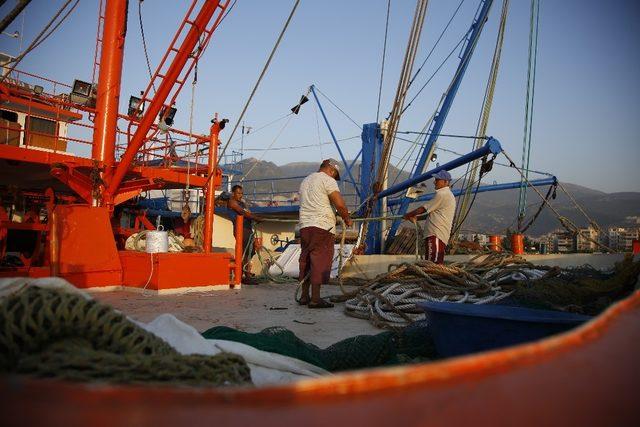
(74, 127)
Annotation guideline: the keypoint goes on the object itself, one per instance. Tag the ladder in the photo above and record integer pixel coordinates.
(98, 51)
(188, 23)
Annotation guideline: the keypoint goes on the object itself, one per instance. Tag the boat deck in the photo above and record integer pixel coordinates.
(250, 309)
(255, 307)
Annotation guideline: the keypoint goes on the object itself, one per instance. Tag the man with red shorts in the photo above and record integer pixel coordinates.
(441, 210)
(318, 193)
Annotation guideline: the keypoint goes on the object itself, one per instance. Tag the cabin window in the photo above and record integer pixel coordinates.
(10, 129)
(42, 133)
(9, 116)
(43, 126)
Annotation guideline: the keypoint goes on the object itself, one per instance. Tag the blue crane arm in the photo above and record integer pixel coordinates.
(441, 115)
(491, 147)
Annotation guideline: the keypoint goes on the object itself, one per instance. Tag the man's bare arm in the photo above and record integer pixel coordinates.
(411, 216)
(233, 205)
(338, 202)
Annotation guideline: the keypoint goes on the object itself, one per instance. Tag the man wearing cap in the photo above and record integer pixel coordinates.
(441, 210)
(318, 193)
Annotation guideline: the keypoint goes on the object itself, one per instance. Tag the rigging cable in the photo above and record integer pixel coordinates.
(262, 74)
(339, 109)
(528, 113)
(409, 58)
(144, 44)
(384, 55)
(398, 103)
(42, 36)
(564, 221)
(268, 148)
(433, 48)
(481, 131)
(294, 147)
(315, 110)
(444, 61)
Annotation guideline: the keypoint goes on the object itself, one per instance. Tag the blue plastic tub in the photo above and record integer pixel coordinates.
(459, 329)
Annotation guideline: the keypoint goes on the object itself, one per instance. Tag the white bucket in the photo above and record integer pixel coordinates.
(157, 241)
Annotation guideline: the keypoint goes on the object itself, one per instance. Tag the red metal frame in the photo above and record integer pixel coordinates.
(101, 182)
(169, 81)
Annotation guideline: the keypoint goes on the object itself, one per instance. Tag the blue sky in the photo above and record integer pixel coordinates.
(587, 108)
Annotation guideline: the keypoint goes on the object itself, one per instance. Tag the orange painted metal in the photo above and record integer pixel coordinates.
(517, 243)
(42, 157)
(237, 266)
(495, 243)
(30, 104)
(88, 254)
(54, 242)
(109, 81)
(163, 90)
(585, 377)
(212, 171)
(174, 270)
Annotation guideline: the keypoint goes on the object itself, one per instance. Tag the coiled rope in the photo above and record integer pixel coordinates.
(389, 300)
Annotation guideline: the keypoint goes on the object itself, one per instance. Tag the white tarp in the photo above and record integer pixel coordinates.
(290, 258)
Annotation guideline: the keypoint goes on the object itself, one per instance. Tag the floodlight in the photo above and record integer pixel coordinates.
(169, 116)
(136, 106)
(81, 88)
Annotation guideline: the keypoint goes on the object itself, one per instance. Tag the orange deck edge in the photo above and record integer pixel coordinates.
(588, 376)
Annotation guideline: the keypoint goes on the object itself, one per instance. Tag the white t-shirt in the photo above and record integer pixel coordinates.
(441, 210)
(315, 207)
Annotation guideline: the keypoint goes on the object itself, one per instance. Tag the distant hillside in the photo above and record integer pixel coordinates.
(492, 212)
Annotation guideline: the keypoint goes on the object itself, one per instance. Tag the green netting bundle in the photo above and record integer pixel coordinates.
(364, 351)
(583, 290)
(56, 334)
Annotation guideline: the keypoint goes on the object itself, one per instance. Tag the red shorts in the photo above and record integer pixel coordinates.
(317, 254)
(434, 249)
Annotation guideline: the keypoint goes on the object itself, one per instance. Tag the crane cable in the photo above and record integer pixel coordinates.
(384, 55)
(396, 111)
(262, 74)
(564, 221)
(410, 55)
(44, 35)
(435, 45)
(528, 112)
(481, 130)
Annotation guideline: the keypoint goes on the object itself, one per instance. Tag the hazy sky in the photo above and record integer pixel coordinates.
(587, 105)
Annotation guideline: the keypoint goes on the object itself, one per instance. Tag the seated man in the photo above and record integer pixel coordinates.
(182, 226)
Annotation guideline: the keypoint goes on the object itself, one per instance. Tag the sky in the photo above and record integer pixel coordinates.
(586, 117)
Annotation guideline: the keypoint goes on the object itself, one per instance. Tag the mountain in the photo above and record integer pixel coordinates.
(492, 212)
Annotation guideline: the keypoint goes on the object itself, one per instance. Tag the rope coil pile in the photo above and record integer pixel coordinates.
(390, 299)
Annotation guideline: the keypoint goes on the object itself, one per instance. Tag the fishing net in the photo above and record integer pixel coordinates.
(55, 334)
(582, 290)
(413, 343)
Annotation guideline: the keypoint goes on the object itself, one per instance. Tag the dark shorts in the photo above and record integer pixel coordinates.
(434, 249)
(317, 254)
(247, 252)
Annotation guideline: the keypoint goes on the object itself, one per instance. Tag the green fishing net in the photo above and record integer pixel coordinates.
(413, 343)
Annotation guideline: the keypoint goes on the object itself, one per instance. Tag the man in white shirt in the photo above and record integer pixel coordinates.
(319, 194)
(441, 209)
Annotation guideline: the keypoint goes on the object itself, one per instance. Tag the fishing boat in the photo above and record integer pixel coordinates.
(68, 223)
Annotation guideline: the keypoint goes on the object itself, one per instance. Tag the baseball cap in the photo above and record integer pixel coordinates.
(333, 164)
(442, 174)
